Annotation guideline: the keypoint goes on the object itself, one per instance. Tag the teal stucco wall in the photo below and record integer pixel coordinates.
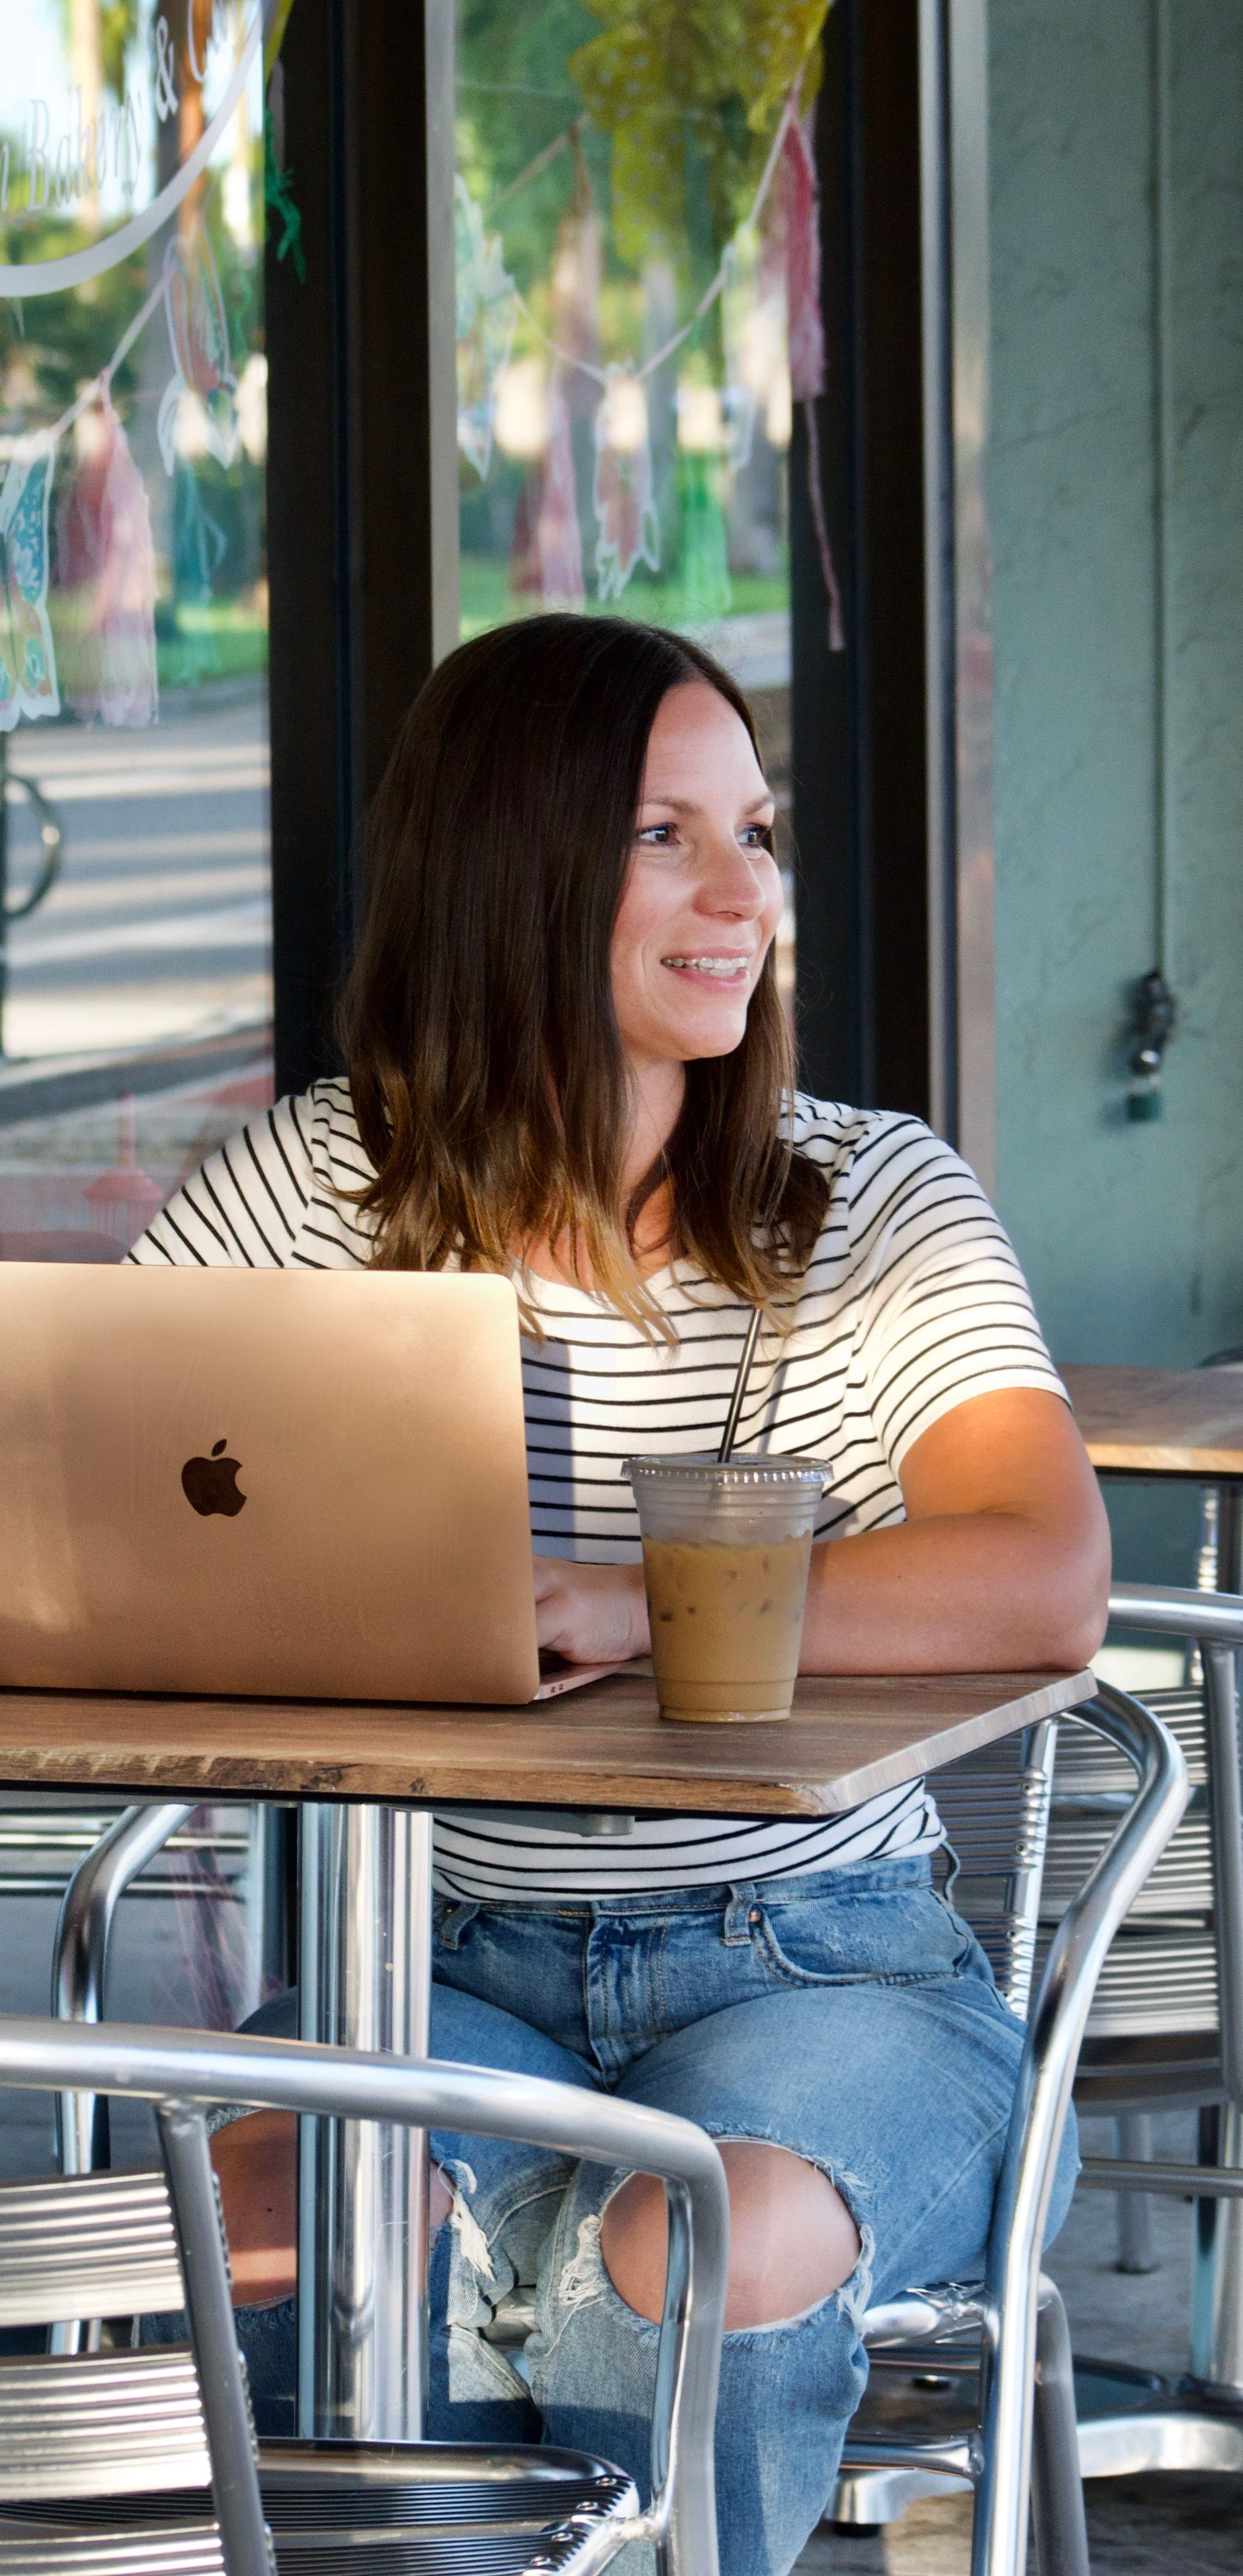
(1132, 1236)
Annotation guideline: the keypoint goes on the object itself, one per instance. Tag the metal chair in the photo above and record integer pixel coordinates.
(114, 1861)
(984, 2368)
(117, 1859)
(157, 2427)
(89, 1856)
(1166, 2029)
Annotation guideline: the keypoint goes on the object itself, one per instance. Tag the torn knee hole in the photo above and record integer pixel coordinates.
(793, 2236)
(794, 2240)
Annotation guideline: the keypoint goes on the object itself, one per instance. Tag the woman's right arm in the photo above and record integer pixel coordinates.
(1001, 1564)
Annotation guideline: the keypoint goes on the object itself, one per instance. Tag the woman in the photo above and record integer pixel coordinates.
(568, 1061)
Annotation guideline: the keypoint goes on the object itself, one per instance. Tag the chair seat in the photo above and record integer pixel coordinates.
(1145, 2070)
(187, 2549)
(312, 2484)
(435, 2509)
(1159, 1981)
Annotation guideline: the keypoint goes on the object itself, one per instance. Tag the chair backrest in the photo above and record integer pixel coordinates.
(1167, 2016)
(995, 1808)
(110, 2423)
(117, 1858)
(1161, 1972)
(61, 2241)
(1153, 2032)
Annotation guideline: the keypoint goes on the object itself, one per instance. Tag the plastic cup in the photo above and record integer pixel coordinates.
(726, 1552)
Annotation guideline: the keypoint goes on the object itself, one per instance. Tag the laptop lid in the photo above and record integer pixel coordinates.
(271, 1482)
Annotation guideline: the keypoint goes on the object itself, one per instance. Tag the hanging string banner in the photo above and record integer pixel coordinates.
(188, 292)
(805, 328)
(489, 302)
(27, 660)
(106, 580)
(713, 290)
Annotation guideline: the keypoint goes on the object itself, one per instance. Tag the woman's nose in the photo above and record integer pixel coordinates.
(730, 882)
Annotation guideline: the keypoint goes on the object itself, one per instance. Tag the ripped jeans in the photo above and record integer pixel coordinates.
(850, 2017)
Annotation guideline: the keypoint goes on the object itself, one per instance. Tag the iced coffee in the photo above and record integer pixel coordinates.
(726, 1552)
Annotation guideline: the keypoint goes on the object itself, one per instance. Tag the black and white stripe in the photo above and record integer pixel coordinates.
(912, 1303)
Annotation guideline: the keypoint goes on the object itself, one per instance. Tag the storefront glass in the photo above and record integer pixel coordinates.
(638, 312)
(136, 994)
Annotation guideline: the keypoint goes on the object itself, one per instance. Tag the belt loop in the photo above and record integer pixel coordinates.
(736, 1928)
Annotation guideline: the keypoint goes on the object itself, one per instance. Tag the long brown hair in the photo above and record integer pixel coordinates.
(488, 1074)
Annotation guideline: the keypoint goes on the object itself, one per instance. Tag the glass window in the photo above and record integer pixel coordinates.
(637, 312)
(135, 975)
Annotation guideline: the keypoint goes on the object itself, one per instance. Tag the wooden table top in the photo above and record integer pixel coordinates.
(601, 1747)
(1160, 1422)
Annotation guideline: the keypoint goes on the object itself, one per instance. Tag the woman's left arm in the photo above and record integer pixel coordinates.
(1002, 1563)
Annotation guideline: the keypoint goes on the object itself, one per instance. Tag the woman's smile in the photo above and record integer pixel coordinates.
(718, 970)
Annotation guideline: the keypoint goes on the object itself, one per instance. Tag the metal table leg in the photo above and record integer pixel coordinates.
(1217, 2276)
(1136, 2247)
(364, 1982)
(271, 1934)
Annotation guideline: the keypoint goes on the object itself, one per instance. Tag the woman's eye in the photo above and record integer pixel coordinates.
(665, 836)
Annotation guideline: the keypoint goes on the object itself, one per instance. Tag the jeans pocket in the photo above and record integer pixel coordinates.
(970, 1955)
(893, 1937)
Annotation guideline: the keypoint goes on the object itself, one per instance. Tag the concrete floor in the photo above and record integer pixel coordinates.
(1136, 2527)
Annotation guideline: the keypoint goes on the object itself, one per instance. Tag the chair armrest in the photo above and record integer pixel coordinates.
(1042, 2099)
(80, 1951)
(1167, 1610)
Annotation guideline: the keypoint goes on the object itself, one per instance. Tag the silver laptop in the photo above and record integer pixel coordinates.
(304, 1484)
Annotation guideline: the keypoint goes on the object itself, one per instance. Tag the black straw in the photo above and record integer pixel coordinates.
(730, 1432)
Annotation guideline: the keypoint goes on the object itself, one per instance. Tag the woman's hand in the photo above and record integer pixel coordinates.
(591, 1614)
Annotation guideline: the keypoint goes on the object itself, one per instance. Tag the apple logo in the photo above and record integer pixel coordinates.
(211, 1483)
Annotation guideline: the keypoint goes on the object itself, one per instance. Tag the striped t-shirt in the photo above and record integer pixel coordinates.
(912, 1303)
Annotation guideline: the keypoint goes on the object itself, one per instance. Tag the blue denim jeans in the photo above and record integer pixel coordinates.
(850, 2017)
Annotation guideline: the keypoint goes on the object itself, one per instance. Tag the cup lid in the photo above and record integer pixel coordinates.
(741, 1474)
